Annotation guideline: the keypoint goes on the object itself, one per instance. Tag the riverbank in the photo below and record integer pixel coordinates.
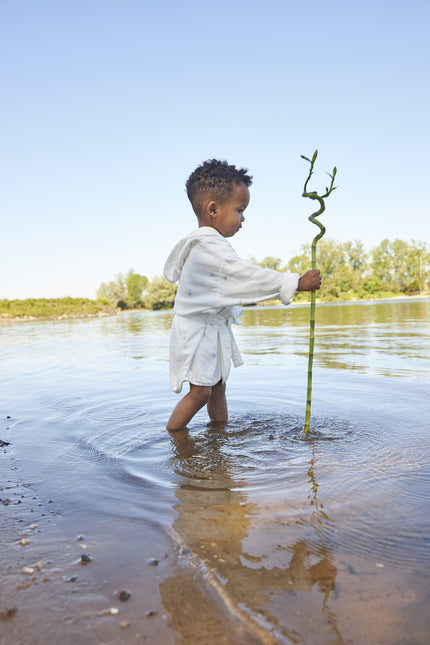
(12, 311)
(54, 309)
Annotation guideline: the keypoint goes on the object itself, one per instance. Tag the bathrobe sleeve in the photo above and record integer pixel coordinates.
(214, 276)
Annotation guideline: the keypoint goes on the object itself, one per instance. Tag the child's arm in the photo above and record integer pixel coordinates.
(310, 281)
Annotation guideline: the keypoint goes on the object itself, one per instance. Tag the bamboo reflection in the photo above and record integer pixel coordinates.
(216, 520)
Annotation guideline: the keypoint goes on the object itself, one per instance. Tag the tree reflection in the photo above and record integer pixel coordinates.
(218, 520)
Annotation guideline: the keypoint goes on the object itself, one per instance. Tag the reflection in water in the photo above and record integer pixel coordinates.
(389, 338)
(219, 524)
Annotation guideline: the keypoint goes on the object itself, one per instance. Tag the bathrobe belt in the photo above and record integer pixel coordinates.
(222, 322)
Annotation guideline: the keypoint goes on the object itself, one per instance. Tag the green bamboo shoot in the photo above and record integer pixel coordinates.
(312, 218)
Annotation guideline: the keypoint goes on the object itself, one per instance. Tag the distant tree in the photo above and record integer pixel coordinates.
(356, 256)
(330, 256)
(125, 290)
(418, 266)
(301, 263)
(401, 266)
(136, 284)
(160, 294)
(268, 262)
(114, 291)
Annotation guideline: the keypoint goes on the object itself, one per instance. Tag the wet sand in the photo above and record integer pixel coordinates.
(50, 595)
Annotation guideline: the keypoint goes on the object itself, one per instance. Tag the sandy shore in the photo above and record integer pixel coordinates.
(50, 595)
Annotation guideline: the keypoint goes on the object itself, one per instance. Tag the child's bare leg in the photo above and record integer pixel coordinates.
(217, 404)
(187, 407)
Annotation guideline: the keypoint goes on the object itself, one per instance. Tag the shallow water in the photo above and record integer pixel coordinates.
(280, 537)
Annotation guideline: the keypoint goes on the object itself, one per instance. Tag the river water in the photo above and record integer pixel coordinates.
(259, 534)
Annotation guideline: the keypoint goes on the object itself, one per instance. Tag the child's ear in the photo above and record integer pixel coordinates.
(212, 208)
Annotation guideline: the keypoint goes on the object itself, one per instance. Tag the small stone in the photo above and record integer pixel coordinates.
(7, 613)
(113, 611)
(40, 565)
(28, 570)
(79, 538)
(271, 437)
(124, 624)
(24, 542)
(85, 558)
(150, 613)
(33, 526)
(153, 562)
(124, 595)
(378, 564)
(71, 579)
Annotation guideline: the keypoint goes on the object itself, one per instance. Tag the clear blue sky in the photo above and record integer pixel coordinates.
(108, 106)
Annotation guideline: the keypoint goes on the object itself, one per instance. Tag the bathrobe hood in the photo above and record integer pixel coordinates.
(180, 252)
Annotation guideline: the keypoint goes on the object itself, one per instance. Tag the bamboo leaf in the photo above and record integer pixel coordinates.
(314, 158)
(303, 157)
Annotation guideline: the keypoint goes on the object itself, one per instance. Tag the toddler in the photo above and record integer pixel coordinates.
(213, 281)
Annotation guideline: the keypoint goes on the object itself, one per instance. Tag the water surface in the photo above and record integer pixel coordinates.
(274, 537)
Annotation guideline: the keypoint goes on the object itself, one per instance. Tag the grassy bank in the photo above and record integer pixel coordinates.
(53, 309)
(63, 308)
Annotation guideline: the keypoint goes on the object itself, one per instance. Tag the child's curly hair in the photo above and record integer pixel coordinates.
(214, 178)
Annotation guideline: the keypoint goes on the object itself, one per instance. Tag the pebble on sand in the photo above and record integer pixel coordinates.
(113, 611)
(7, 613)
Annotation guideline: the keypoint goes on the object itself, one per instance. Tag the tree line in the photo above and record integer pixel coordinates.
(349, 273)
(135, 291)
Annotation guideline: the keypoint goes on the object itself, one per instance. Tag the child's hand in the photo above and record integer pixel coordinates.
(310, 281)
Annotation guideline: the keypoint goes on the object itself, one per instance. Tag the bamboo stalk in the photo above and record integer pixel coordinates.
(312, 218)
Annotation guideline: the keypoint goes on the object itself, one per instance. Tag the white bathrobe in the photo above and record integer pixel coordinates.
(213, 280)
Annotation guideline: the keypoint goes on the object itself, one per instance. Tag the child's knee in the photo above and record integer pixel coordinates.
(219, 388)
(200, 393)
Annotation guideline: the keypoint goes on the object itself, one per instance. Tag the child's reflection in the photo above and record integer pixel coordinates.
(215, 518)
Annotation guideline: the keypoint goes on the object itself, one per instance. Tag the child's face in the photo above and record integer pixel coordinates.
(228, 216)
